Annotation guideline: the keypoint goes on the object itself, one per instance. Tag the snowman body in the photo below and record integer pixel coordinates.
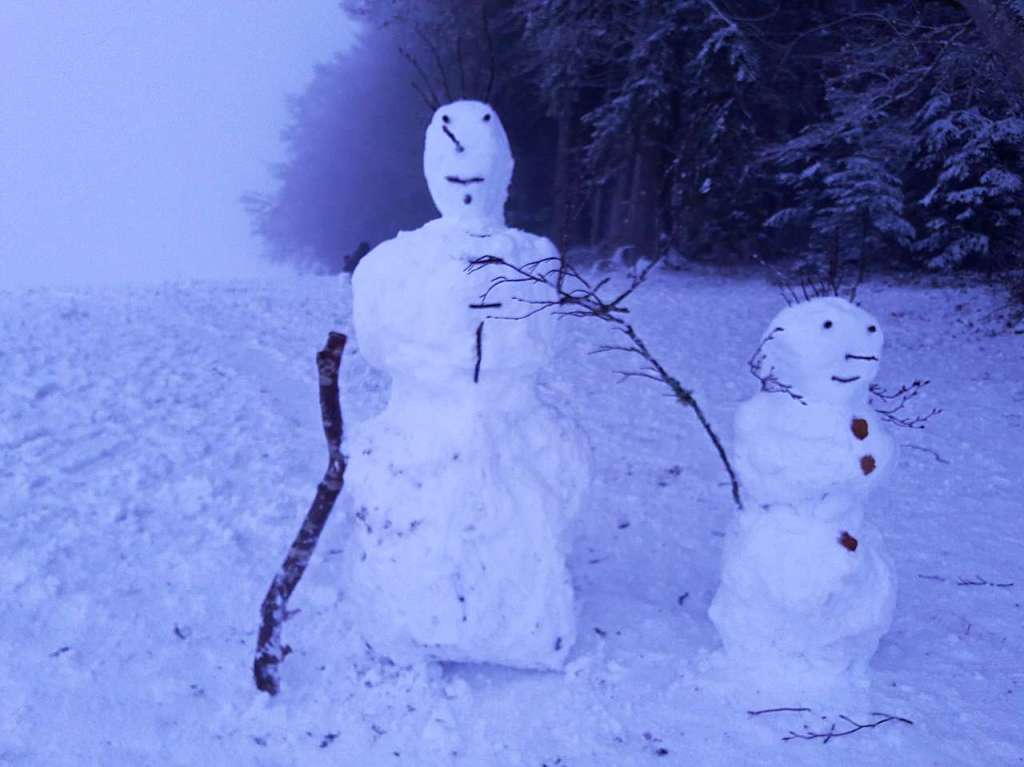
(807, 590)
(464, 485)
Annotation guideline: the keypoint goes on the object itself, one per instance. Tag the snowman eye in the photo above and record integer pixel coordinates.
(828, 324)
(444, 118)
(487, 117)
(872, 329)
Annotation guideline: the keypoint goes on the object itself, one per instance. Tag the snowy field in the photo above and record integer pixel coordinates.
(160, 446)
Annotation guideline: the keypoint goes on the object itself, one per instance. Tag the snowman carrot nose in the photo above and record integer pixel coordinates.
(449, 134)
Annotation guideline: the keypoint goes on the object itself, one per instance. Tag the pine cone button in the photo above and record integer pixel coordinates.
(847, 541)
(859, 428)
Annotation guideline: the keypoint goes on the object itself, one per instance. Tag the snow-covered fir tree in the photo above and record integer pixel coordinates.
(973, 208)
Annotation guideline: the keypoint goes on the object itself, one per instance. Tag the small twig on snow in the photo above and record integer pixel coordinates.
(928, 450)
(979, 581)
(777, 710)
(832, 733)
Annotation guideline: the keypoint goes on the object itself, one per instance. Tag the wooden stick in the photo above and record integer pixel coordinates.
(270, 650)
(479, 351)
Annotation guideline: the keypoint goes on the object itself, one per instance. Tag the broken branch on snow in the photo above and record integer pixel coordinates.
(270, 649)
(979, 581)
(854, 727)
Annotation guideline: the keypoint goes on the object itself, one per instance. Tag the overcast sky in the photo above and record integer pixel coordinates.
(130, 128)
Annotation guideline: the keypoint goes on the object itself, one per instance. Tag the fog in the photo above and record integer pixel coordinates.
(130, 128)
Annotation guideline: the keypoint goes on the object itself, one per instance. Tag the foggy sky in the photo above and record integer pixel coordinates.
(130, 128)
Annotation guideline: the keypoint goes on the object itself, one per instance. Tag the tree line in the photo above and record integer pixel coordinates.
(833, 134)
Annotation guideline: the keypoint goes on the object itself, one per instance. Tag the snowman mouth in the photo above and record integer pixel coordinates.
(838, 379)
(861, 357)
(464, 181)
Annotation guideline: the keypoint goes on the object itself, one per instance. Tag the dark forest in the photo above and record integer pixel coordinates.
(844, 134)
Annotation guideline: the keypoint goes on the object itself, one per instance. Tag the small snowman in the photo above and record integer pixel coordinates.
(807, 590)
(464, 485)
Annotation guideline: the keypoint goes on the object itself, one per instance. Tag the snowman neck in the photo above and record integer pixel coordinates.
(476, 225)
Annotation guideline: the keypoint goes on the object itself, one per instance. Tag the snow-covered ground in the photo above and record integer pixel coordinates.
(159, 447)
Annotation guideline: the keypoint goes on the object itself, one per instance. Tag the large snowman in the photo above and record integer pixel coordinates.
(807, 590)
(463, 487)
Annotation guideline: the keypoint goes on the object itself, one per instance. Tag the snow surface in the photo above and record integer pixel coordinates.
(161, 445)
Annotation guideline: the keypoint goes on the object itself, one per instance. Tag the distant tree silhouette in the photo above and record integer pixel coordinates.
(354, 153)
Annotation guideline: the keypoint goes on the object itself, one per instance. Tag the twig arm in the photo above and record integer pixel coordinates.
(686, 399)
(585, 300)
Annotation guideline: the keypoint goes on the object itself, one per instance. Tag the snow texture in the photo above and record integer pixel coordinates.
(807, 589)
(464, 486)
(160, 447)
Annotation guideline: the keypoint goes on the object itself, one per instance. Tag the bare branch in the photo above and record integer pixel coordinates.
(928, 450)
(889, 404)
(432, 106)
(855, 727)
(462, 67)
(479, 351)
(486, 21)
(787, 709)
(770, 382)
(584, 300)
(438, 62)
(979, 581)
(788, 294)
(270, 649)
(427, 90)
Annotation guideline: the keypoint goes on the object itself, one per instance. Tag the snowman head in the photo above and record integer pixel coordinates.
(468, 164)
(825, 350)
